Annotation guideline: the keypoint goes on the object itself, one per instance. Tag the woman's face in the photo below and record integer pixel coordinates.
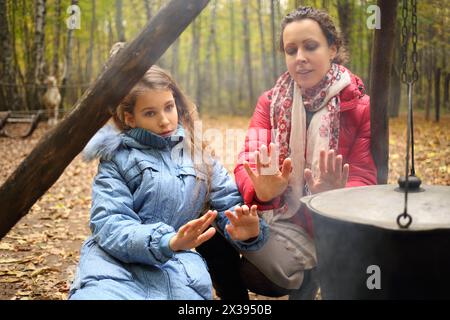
(308, 56)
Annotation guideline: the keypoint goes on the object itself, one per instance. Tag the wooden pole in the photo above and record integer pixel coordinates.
(45, 164)
(382, 60)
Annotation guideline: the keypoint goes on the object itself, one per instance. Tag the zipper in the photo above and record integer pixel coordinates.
(169, 285)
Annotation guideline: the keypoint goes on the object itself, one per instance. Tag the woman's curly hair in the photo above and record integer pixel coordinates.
(327, 25)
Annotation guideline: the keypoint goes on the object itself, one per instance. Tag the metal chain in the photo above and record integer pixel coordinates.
(415, 74)
(407, 217)
(404, 219)
(404, 40)
(405, 77)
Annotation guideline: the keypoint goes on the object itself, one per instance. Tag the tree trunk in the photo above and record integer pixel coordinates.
(446, 95)
(345, 12)
(28, 45)
(430, 66)
(281, 62)
(35, 71)
(265, 65)
(39, 41)
(41, 70)
(241, 88)
(232, 60)
(190, 81)
(91, 44)
(207, 85)
(198, 74)
(67, 76)
(382, 53)
(175, 59)
(5, 45)
(395, 92)
(81, 77)
(119, 24)
(21, 94)
(8, 93)
(218, 64)
(294, 4)
(444, 55)
(162, 61)
(248, 59)
(55, 63)
(437, 94)
(429, 93)
(370, 37)
(420, 83)
(395, 81)
(361, 37)
(110, 34)
(43, 166)
(274, 42)
(148, 9)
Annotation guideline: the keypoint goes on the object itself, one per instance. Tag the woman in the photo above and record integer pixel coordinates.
(316, 122)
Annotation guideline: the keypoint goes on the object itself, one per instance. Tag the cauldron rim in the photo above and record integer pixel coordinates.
(389, 223)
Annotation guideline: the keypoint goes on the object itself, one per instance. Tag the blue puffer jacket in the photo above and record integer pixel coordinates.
(144, 191)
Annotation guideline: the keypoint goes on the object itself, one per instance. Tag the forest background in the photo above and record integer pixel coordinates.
(224, 60)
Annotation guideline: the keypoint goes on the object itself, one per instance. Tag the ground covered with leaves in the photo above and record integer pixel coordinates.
(38, 256)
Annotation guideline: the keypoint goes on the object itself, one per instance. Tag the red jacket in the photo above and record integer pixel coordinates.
(354, 141)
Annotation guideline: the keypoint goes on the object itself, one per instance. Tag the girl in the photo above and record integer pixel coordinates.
(147, 199)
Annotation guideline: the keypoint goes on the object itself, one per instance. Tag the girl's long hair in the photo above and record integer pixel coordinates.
(157, 78)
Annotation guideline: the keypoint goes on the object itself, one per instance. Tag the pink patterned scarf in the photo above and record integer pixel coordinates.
(313, 100)
(289, 128)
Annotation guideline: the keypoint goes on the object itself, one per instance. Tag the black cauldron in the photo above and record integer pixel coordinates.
(362, 253)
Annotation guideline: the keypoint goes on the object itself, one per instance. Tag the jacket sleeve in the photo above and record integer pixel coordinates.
(258, 133)
(362, 167)
(118, 229)
(224, 195)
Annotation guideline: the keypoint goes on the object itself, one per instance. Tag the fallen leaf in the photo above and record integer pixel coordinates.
(9, 280)
(6, 246)
(43, 270)
(7, 261)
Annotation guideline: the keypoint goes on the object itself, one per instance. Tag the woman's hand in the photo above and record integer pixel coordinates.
(244, 224)
(193, 233)
(268, 181)
(332, 174)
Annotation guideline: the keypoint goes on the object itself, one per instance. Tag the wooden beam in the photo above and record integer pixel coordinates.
(382, 59)
(48, 160)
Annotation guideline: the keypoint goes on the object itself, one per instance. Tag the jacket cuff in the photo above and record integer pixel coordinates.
(145, 244)
(164, 244)
(256, 244)
(249, 243)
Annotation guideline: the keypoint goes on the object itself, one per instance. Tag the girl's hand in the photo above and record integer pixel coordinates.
(268, 181)
(193, 233)
(332, 174)
(244, 224)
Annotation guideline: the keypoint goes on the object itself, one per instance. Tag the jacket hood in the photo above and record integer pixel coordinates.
(103, 144)
(352, 93)
(108, 140)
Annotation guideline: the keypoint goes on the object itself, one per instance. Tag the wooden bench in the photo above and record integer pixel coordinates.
(10, 117)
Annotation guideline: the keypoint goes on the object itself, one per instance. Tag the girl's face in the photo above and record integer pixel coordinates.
(155, 111)
(308, 56)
